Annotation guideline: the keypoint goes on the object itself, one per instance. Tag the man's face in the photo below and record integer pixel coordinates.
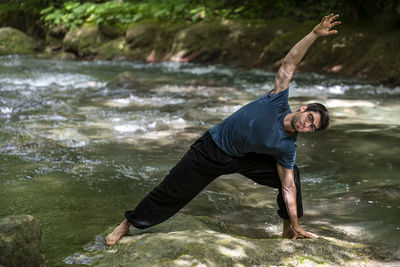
(306, 121)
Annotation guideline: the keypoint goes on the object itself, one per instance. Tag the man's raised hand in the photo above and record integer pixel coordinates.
(326, 24)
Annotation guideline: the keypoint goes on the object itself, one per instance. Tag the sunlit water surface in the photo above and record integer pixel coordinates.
(77, 152)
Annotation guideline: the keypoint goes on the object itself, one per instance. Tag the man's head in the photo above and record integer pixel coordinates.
(310, 118)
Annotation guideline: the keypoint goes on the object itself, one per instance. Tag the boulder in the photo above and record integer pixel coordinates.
(112, 31)
(186, 240)
(140, 38)
(84, 41)
(64, 56)
(128, 80)
(58, 31)
(53, 44)
(164, 41)
(20, 241)
(13, 41)
(246, 41)
(201, 42)
(281, 44)
(114, 49)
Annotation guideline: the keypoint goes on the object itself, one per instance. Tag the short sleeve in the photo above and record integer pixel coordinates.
(287, 160)
(279, 99)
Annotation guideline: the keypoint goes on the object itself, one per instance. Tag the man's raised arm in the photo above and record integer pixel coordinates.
(289, 63)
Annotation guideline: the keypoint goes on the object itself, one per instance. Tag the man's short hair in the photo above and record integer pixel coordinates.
(323, 111)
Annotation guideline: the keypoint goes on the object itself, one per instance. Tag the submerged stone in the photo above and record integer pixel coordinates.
(128, 80)
(20, 241)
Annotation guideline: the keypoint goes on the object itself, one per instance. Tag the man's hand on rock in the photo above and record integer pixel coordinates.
(291, 232)
(326, 24)
(299, 232)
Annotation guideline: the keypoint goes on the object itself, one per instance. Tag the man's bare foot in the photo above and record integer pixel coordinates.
(118, 232)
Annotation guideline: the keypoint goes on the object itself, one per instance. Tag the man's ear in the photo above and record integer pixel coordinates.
(303, 108)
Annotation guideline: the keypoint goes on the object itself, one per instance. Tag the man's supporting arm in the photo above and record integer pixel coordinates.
(289, 196)
(289, 63)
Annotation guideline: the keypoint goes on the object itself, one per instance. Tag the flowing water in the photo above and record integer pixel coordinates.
(76, 151)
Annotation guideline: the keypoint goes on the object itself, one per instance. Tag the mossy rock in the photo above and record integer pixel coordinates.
(164, 40)
(194, 241)
(142, 34)
(246, 41)
(58, 31)
(113, 49)
(84, 41)
(347, 53)
(140, 38)
(20, 241)
(13, 41)
(112, 31)
(53, 44)
(64, 56)
(71, 40)
(282, 44)
(201, 42)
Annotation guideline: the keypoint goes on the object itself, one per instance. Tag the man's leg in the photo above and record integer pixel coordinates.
(199, 166)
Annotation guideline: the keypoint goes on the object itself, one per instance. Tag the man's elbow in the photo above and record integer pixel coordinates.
(289, 187)
(288, 66)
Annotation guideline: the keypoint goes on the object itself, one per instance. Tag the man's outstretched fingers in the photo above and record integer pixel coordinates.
(333, 18)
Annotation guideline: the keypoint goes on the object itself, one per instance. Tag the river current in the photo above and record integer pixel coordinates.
(76, 152)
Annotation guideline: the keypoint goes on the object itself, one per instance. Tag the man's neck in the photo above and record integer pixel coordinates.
(287, 123)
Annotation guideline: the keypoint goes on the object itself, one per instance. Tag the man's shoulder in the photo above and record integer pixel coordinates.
(277, 98)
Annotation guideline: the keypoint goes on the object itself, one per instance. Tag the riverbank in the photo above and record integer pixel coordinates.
(364, 52)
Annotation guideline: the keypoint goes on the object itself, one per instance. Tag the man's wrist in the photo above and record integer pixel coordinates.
(313, 34)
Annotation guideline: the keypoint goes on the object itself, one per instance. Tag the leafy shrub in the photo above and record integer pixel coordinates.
(73, 13)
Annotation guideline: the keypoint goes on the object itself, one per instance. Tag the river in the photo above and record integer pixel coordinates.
(76, 152)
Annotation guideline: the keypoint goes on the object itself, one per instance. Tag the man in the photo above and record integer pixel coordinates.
(257, 141)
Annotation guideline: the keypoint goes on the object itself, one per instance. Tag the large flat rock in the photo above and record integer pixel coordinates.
(201, 241)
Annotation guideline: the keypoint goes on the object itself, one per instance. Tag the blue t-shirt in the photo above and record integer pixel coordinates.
(258, 127)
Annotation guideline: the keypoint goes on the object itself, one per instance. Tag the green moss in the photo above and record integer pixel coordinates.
(13, 41)
(112, 49)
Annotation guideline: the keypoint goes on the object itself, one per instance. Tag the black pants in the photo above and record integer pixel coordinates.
(203, 163)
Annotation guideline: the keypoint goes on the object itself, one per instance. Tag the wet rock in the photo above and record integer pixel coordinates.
(128, 80)
(65, 56)
(20, 241)
(13, 41)
(188, 240)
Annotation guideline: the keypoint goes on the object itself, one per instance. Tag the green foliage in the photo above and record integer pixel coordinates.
(73, 13)
(76, 12)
